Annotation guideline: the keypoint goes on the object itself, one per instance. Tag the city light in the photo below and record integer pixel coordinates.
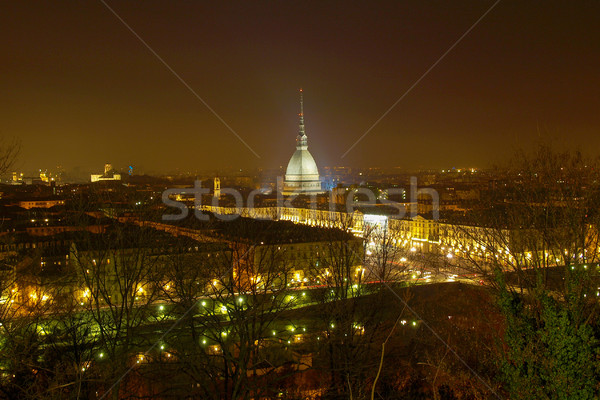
(100, 267)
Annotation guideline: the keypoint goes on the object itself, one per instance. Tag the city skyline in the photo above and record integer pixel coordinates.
(84, 90)
(299, 200)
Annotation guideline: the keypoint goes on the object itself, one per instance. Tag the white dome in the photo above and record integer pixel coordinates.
(301, 166)
(302, 174)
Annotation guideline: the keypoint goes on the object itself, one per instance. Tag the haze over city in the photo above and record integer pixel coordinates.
(80, 89)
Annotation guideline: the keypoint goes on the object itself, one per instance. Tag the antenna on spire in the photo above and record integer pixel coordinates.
(302, 132)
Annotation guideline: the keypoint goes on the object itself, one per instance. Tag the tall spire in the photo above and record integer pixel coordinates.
(302, 131)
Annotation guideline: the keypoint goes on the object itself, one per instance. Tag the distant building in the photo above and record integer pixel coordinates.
(28, 204)
(45, 176)
(108, 170)
(302, 174)
(17, 178)
(21, 179)
(217, 188)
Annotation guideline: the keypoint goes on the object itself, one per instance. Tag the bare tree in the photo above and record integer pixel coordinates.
(357, 309)
(116, 272)
(9, 151)
(232, 299)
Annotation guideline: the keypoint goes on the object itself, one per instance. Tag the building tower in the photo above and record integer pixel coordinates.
(302, 174)
(217, 188)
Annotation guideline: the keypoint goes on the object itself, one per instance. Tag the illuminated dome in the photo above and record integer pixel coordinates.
(302, 165)
(302, 174)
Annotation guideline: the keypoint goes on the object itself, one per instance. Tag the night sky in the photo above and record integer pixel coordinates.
(80, 89)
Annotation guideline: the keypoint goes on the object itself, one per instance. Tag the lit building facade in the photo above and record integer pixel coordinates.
(29, 204)
(108, 168)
